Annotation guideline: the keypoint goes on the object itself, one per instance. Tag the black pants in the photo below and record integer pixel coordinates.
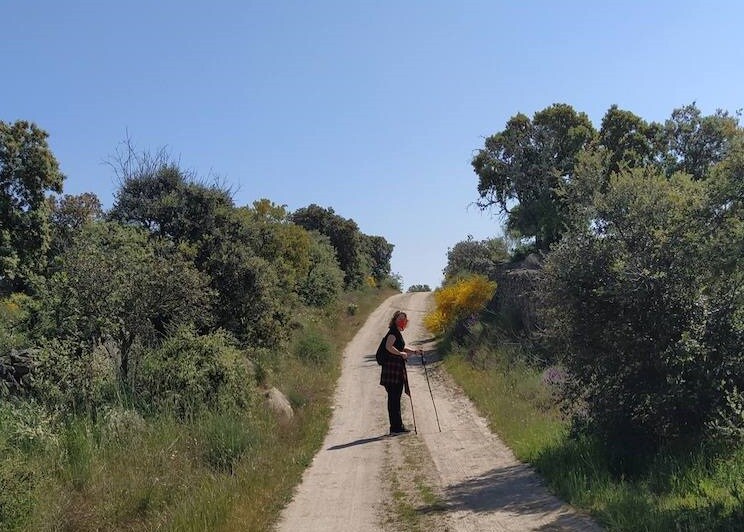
(394, 391)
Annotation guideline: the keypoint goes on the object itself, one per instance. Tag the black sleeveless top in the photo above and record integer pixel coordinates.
(394, 366)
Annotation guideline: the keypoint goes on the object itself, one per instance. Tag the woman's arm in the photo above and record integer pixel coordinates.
(389, 345)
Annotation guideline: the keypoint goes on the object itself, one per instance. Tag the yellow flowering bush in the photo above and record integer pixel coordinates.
(464, 297)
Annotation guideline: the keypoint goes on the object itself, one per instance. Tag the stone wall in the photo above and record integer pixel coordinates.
(515, 298)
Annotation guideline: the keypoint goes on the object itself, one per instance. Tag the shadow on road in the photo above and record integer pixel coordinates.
(513, 489)
(357, 442)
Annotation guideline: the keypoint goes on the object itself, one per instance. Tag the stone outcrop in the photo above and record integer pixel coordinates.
(14, 367)
(515, 298)
(278, 403)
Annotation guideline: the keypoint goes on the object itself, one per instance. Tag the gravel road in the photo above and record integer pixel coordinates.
(361, 475)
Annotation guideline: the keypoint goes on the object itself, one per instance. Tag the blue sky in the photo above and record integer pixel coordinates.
(372, 108)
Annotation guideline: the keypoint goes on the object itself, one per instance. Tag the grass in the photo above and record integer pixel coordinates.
(415, 502)
(221, 470)
(700, 488)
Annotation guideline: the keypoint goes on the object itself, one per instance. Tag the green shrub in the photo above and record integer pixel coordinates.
(14, 310)
(648, 329)
(189, 373)
(312, 347)
(324, 279)
(27, 427)
(120, 425)
(71, 376)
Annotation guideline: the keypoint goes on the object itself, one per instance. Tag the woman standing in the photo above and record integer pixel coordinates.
(394, 376)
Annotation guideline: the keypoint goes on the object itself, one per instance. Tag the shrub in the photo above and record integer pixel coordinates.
(647, 330)
(463, 298)
(312, 347)
(121, 424)
(324, 279)
(69, 375)
(27, 427)
(13, 311)
(190, 373)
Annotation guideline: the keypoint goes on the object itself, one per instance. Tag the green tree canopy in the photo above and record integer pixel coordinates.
(522, 168)
(69, 214)
(28, 171)
(695, 143)
(645, 304)
(378, 253)
(117, 283)
(344, 236)
(471, 256)
(167, 201)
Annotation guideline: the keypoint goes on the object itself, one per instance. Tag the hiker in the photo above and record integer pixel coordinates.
(393, 375)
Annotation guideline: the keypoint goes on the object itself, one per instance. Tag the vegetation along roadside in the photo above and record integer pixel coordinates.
(138, 344)
(611, 353)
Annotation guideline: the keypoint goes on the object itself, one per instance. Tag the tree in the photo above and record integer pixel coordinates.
(522, 169)
(630, 141)
(167, 201)
(69, 214)
(28, 171)
(471, 256)
(419, 288)
(117, 283)
(378, 252)
(286, 245)
(344, 236)
(325, 279)
(252, 300)
(695, 142)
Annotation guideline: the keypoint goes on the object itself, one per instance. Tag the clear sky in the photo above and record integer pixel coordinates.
(371, 108)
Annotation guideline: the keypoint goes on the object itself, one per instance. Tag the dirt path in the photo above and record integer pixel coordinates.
(461, 479)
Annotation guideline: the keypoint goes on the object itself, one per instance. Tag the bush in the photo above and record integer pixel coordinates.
(463, 298)
(190, 373)
(648, 332)
(312, 347)
(325, 279)
(14, 310)
(71, 376)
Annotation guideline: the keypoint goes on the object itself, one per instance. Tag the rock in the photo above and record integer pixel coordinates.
(278, 403)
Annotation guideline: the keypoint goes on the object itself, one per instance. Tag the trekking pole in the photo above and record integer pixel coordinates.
(423, 362)
(413, 413)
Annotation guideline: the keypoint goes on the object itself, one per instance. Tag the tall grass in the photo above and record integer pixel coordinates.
(699, 488)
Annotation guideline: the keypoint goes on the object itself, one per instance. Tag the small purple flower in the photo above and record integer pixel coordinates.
(554, 376)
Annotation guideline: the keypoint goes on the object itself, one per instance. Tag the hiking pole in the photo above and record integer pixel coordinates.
(414, 415)
(423, 362)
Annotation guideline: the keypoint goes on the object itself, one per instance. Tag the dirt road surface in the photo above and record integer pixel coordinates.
(460, 479)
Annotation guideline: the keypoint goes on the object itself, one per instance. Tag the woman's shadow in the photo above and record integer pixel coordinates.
(358, 442)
